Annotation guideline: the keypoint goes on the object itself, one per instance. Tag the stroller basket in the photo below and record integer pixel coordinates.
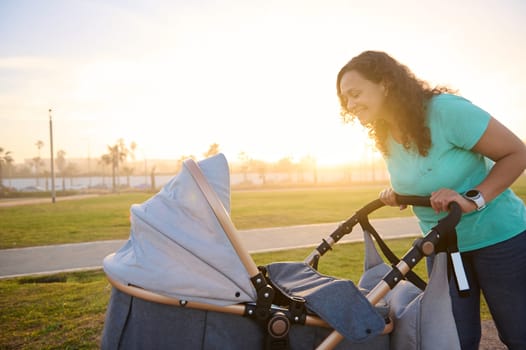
(226, 301)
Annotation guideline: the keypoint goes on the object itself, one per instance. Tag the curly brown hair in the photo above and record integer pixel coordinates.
(407, 98)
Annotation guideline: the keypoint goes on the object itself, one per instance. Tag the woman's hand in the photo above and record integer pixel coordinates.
(388, 197)
(440, 201)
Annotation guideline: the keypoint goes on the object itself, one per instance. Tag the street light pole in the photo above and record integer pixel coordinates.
(52, 160)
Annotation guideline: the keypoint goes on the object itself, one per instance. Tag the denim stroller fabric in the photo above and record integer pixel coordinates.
(423, 320)
(338, 302)
(136, 324)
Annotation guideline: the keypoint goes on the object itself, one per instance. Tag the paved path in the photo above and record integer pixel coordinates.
(24, 201)
(83, 256)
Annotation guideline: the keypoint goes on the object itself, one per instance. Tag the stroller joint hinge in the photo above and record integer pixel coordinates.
(393, 277)
(265, 296)
(324, 247)
(413, 257)
(297, 310)
(259, 281)
(433, 242)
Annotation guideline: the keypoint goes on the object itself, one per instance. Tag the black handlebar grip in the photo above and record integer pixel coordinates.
(417, 201)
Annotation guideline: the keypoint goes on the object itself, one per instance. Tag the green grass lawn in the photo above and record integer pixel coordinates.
(66, 311)
(107, 217)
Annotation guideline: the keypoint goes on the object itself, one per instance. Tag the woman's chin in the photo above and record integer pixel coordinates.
(364, 121)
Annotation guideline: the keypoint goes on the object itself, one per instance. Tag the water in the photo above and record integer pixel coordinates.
(144, 182)
(80, 183)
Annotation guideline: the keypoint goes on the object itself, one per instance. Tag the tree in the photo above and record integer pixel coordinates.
(212, 151)
(39, 145)
(306, 164)
(152, 178)
(37, 161)
(105, 159)
(287, 166)
(118, 154)
(127, 171)
(71, 170)
(181, 160)
(261, 168)
(245, 162)
(114, 161)
(61, 165)
(133, 147)
(5, 162)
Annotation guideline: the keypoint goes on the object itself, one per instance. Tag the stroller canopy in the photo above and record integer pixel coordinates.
(177, 246)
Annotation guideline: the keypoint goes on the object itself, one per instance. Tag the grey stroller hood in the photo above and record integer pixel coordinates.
(177, 247)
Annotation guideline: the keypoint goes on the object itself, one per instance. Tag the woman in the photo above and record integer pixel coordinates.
(440, 145)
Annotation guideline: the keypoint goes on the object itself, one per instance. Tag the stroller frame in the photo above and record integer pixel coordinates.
(441, 237)
(278, 319)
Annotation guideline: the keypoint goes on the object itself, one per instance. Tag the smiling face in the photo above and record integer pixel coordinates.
(361, 97)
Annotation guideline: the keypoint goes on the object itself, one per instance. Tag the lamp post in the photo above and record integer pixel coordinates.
(52, 160)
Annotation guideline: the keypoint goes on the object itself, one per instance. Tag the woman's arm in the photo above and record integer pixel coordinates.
(508, 152)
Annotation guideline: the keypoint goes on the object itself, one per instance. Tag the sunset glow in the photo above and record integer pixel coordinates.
(176, 77)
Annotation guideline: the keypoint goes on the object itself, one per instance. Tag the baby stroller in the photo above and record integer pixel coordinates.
(184, 280)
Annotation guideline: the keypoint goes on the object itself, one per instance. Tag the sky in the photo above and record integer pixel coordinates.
(252, 76)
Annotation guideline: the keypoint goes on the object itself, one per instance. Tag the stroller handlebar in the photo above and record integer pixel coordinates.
(451, 220)
(417, 201)
(447, 224)
(423, 246)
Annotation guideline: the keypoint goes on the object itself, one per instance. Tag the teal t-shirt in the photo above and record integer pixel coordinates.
(456, 125)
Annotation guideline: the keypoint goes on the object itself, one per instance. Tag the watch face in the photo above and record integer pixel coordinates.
(472, 193)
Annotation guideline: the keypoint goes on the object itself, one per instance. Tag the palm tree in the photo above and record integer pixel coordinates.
(105, 159)
(5, 158)
(212, 151)
(39, 145)
(61, 165)
(287, 166)
(261, 168)
(181, 160)
(113, 153)
(37, 161)
(245, 165)
(118, 154)
(9, 162)
(71, 170)
(133, 147)
(152, 178)
(306, 164)
(127, 171)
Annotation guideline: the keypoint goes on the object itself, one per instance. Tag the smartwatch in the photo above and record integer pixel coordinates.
(476, 197)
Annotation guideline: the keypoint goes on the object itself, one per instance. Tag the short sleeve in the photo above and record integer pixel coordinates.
(461, 122)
